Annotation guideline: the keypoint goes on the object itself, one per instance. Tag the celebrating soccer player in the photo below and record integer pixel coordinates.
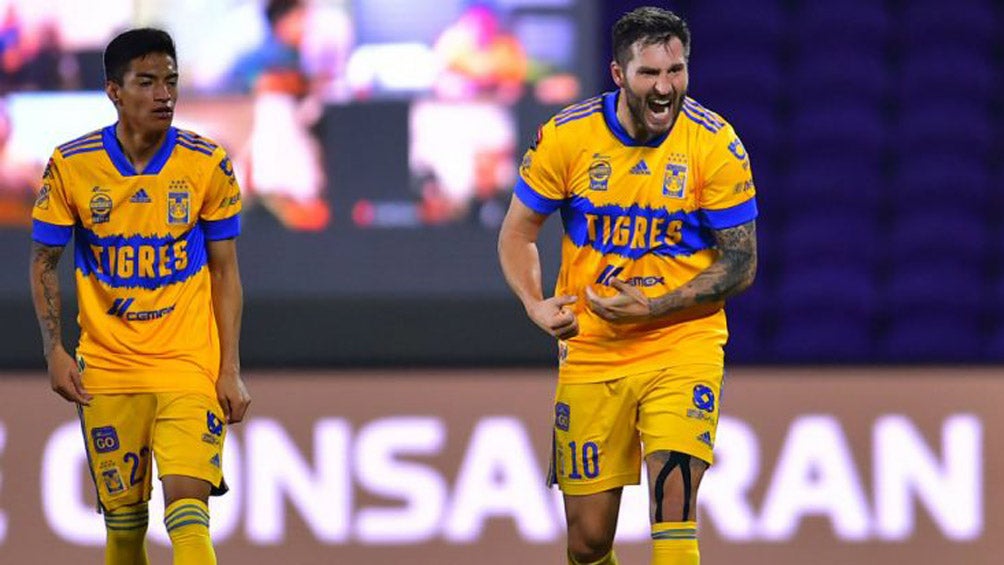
(658, 206)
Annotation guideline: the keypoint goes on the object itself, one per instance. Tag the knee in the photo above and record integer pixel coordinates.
(589, 542)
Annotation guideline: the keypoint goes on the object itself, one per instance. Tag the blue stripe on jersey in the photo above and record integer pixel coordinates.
(50, 234)
(194, 138)
(138, 261)
(634, 231)
(191, 147)
(610, 117)
(589, 111)
(83, 149)
(93, 136)
(703, 112)
(222, 229)
(533, 199)
(578, 106)
(122, 163)
(730, 217)
(698, 120)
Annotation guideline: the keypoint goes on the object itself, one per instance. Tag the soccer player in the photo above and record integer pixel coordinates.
(657, 202)
(154, 213)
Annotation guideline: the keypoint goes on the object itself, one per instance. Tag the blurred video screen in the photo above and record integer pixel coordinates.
(376, 141)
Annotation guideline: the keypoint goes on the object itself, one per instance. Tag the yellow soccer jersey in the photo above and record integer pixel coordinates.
(643, 213)
(143, 286)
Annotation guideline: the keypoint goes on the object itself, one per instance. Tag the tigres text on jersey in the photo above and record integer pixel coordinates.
(143, 287)
(643, 213)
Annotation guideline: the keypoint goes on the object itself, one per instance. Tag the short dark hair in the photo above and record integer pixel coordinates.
(133, 44)
(276, 9)
(652, 26)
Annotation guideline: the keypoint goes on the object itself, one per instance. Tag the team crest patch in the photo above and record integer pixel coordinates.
(177, 207)
(562, 416)
(101, 208)
(112, 480)
(599, 172)
(674, 183)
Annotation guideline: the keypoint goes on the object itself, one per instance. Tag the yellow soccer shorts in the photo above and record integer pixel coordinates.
(183, 431)
(601, 428)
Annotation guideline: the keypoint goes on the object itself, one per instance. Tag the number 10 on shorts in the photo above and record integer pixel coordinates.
(589, 458)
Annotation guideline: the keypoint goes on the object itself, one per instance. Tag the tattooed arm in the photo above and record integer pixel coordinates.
(63, 373)
(732, 273)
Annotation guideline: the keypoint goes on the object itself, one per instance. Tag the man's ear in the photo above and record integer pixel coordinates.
(617, 73)
(112, 90)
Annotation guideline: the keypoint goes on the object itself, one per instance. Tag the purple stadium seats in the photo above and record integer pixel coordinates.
(842, 238)
(934, 312)
(821, 74)
(756, 74)
(948, 74)
(827, 182)
(941, 127)
(824, 314)
(849, 125)
(963, 22)
(863, 22)
(731, 22)
(952, 236)
(941, 182)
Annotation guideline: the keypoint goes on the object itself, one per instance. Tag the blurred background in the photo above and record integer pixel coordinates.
(403, 398)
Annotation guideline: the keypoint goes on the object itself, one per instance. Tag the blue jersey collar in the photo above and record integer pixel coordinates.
(122, 163)
(610, 117)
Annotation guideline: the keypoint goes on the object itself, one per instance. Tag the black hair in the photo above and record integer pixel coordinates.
(131, 45)
(276, 9)
(650, 25)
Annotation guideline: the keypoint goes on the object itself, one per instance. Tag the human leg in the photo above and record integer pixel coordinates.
(596, 452)
(674, 479)
(188, 439)
(117, 430)
(678, 419)
(591, 520)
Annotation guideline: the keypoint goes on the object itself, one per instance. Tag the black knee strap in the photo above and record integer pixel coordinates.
(676, 459)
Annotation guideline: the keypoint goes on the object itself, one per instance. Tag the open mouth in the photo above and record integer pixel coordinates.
(660, 106)
(660, 112)
(163, 112)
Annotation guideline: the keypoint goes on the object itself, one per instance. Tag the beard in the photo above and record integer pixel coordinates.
(642, 109)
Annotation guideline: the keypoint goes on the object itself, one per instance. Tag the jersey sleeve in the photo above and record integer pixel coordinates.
(220, 213)
(728, 196)
(53, 216)
(541, 184)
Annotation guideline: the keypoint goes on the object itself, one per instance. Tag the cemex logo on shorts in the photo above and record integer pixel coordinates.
(105, 439)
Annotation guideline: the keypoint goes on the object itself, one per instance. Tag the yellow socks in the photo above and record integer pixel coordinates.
(187, 522)
(125, 530)
(675, 543)
(610, 559)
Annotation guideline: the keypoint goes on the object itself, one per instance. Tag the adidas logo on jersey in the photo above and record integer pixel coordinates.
(705, 438)
(141, 197)
(641, 168)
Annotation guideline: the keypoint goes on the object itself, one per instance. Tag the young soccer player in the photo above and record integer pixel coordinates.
(153, 212)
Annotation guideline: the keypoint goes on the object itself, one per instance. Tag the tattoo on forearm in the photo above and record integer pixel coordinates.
(45, 259)
(734, 270)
